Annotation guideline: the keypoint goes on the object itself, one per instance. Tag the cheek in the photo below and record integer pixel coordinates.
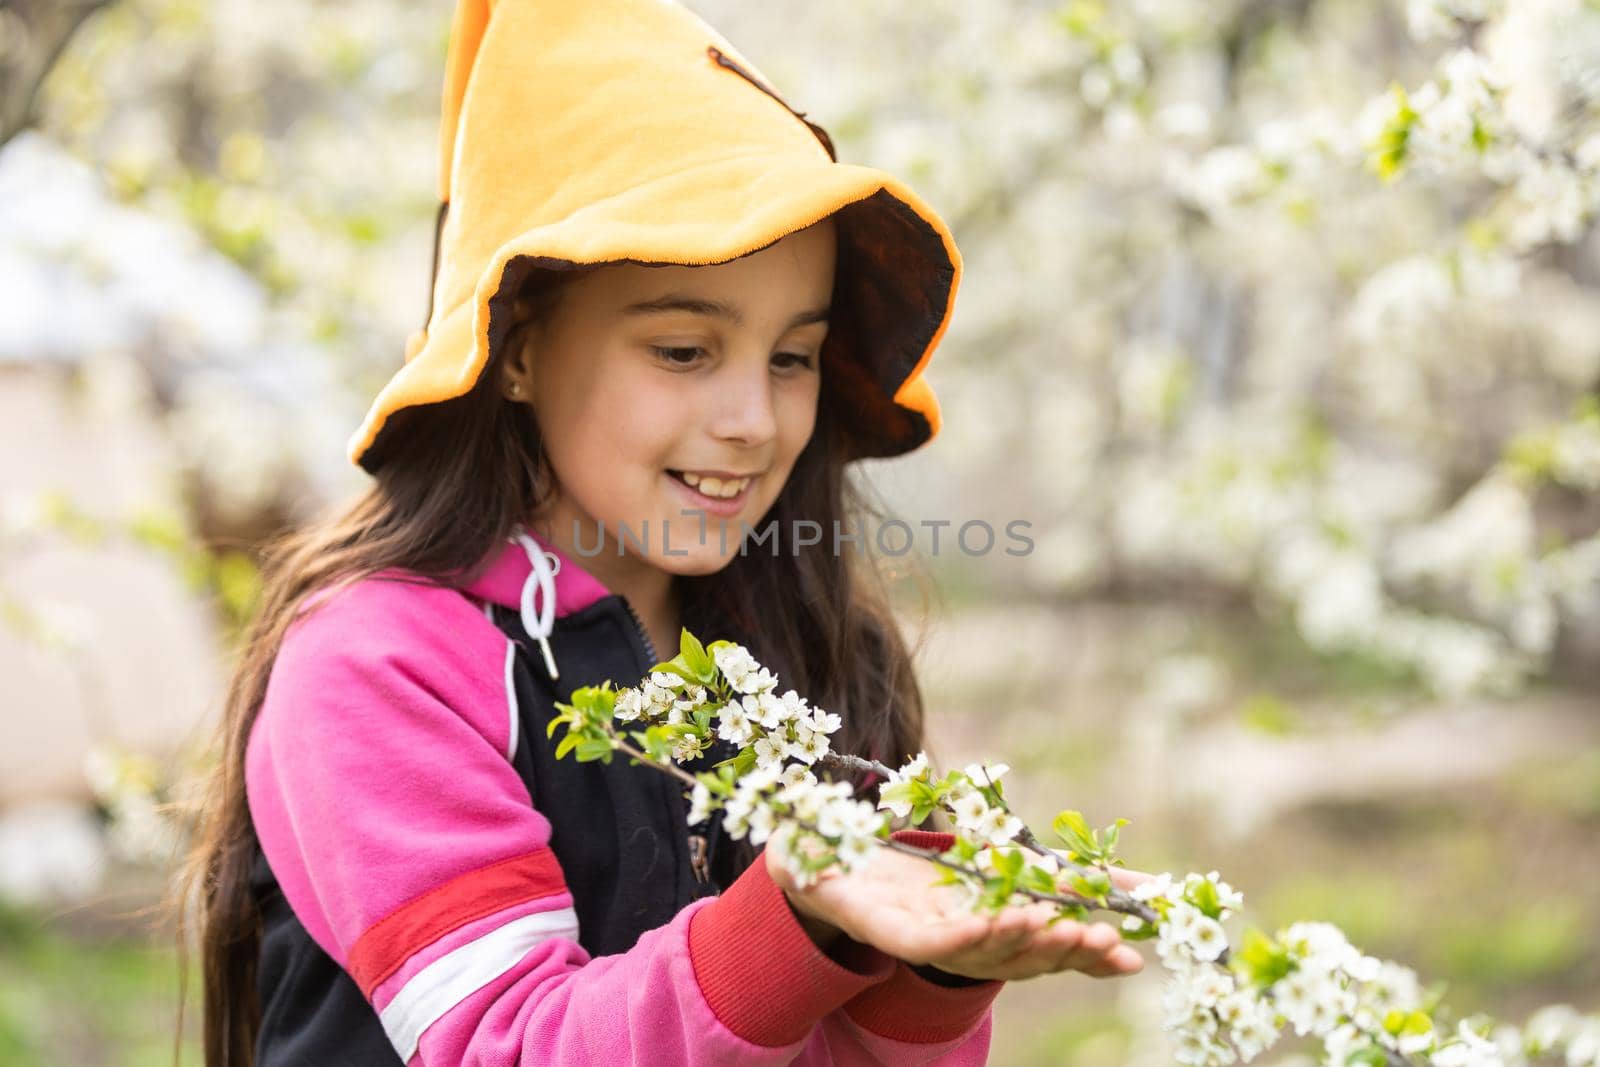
(648, 422)
(797, 415)
(602, 424)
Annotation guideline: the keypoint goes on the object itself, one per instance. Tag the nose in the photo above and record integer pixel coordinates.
(744, 407)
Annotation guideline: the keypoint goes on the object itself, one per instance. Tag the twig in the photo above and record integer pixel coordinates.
(1117, 902)
(842, 761)
(677, 772)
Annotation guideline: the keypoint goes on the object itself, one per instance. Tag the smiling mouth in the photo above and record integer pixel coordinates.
(712, 487)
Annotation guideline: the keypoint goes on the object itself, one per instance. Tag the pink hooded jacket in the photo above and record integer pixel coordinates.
(381, 786)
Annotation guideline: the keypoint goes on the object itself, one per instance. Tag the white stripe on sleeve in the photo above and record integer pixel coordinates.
(455, 976)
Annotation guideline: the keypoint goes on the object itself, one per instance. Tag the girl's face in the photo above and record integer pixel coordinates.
(660, 391)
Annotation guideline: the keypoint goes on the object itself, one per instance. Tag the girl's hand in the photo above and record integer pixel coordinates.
(895, 905)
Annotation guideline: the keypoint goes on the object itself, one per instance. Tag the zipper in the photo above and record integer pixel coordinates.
(699, 847)
(698, 850)
(721, 59)
(638, 624)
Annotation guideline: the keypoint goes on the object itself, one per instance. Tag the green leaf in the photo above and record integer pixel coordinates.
(717, 784)
(1390, 150)
(594, 748)
(238, 583)
(1263, 959)
(1204, 897)
(1009, 861)
(1071, 828)
(996, 893)
(1403, 1022)
(677, 666)
(567, 744)
(696, 658)
(1038, 880)
(1092, 883)
(159, 529)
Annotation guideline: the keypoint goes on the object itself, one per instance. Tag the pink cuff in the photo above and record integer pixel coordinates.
(761, 973)
(908, 1007)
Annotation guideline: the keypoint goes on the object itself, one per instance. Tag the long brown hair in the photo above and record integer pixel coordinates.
(453, 485)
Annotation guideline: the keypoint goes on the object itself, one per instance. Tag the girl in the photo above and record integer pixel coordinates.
(663, 317)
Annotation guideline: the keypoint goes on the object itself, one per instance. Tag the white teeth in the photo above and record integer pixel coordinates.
(716, 486)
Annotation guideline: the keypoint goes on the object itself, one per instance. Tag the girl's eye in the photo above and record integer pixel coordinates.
(673, 355)
(668, 355)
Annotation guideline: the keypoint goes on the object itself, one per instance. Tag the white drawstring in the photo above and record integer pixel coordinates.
(546, 565)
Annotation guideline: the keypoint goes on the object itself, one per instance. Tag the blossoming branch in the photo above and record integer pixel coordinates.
(1223, 1003)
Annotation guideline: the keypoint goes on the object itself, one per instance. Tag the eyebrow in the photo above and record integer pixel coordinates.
(716, 308)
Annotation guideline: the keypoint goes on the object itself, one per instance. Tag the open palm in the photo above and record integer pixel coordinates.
(895, 904)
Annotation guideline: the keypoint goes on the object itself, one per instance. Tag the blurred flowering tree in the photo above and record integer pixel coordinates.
(297, 137)
(1295, 298)
(1290, 297)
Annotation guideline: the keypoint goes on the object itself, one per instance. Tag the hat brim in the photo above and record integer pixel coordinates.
(898, 271)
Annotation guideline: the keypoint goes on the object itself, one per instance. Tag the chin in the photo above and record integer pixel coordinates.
(697, 560)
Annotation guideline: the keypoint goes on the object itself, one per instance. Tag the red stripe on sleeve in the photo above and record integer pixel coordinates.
(466, 897)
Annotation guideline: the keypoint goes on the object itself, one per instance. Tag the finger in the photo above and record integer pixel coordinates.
(1099, 939)
(928, 940)
(1010, 932)
(1118, 963)
(1048, 954)
(1044, 953)
(1063, 946)
(1123, 878)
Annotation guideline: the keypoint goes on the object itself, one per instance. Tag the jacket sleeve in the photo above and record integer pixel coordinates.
(911, 1019)
(380, 788)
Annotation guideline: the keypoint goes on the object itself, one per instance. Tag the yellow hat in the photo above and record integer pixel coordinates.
(579, 132)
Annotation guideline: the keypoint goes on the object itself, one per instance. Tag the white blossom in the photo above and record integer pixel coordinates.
(770, 751)
(734, 726)
(700, 804)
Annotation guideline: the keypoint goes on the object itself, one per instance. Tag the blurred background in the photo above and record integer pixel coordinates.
(1280, 328)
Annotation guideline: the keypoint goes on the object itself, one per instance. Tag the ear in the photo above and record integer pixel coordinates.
(517, 364)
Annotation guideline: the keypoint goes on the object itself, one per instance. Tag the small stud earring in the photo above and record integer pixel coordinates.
(514, 389)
